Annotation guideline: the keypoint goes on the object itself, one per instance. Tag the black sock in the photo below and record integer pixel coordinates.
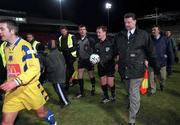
(105, 91)
(93, 81)
(113, 91)
(81, 85)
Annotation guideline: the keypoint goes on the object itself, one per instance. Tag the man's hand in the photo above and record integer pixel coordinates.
(146, 63)
(7, 86)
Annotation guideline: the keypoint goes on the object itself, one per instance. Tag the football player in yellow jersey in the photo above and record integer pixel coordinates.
(23, 90)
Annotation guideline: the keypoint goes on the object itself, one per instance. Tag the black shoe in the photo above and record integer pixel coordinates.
(151, 94)
(73, 83)
(79, 95)
(92, 92)
(67, 104)
(113, 99)
(161, 87)
(131, 123)
(169, 75)
(64, 106)
(105, 100)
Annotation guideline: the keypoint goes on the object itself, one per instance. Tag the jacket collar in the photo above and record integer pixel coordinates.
(161, 35)
(124, 31)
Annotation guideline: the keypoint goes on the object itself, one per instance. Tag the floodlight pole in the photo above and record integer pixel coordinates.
(60, 7)
(108, 7)
(156, 9)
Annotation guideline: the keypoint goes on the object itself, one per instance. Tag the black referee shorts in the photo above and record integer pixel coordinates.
(85, 64)
(106, 70)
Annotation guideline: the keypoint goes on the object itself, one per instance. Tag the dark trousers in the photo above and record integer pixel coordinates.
(61, 94)
(69, 69)
(169, 70)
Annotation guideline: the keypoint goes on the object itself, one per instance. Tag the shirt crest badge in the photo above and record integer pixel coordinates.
(107, 49)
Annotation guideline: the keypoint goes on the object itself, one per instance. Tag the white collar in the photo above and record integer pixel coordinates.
(12, 44)
(82, 38)
(132, 30)
(157, 37)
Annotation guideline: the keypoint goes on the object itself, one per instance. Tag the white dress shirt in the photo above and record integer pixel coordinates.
(130, 32)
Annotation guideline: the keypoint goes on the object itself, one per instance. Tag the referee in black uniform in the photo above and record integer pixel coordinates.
(106, 66)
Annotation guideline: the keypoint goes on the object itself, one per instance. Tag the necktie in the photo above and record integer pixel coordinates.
(130, 35)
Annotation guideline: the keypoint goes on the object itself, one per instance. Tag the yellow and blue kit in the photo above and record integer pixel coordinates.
(24, 68)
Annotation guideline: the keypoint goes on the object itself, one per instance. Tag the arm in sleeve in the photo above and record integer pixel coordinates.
(174, 46)
(115, 46)
(169, 53)
(115, 49)
(92, 43)
(96, 49)
(151, 54)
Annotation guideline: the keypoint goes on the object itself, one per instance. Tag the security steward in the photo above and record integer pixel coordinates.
(30, 38)
(68, 46)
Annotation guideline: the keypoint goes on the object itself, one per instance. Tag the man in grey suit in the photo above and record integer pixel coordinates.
(133, 47)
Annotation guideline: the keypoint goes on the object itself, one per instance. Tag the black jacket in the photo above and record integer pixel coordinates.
(55, 67)
(105, 50)
(164, 50)
(133, 53)
(64, 46)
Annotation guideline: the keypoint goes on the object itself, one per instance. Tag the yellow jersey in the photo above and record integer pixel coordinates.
(23, 66)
